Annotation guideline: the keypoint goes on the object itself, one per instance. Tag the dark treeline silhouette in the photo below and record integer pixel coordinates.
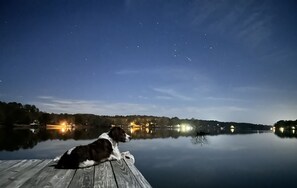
(286, 128)
(286, 124)
(17, 114)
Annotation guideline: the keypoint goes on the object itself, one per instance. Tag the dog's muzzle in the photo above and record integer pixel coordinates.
(128, 138)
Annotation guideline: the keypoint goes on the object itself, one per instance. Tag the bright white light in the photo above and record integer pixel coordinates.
(281, 129)
(185, 127)
(273, 129)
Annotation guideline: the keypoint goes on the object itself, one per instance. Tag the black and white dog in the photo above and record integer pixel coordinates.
(105, 148)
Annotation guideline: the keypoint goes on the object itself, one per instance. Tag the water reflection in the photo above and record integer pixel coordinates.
(282, 132)
(199, 139)
(63, 127)
(28, 137)
(11, 140)
(221, 161)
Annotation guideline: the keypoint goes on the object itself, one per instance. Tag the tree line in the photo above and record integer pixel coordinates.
(286, 129)
(286, 124)
(13, 113)
(16, 113)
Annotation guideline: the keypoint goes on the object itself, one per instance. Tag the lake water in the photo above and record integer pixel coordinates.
(175, 158)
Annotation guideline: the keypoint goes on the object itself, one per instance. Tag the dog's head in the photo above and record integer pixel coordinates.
(118, 135)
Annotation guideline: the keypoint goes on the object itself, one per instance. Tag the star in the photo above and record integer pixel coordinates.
(189, 59)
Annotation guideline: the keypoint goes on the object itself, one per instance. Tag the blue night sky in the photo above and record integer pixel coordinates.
(223, 60)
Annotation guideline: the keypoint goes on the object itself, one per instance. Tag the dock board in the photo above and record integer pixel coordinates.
(42, 173)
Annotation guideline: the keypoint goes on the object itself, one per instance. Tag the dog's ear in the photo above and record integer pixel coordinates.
(114, 133)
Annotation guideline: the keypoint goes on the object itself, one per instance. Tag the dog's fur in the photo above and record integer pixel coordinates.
(103, 149)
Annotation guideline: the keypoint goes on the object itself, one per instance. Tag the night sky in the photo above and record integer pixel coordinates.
(223, 60)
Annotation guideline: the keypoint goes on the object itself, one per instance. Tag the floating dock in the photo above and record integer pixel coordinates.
(42, 173)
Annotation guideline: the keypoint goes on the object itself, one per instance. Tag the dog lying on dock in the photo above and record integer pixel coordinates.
(105, 148)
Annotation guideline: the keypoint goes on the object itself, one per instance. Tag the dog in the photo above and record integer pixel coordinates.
(105, 148)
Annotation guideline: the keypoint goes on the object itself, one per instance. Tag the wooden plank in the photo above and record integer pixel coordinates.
(41, 173)
(104, 176)
(141, 180)
(13, 165)
(123, 175)
(18, 179)
(5, 165)
(83, 177)
(50, 177)
(8, 176)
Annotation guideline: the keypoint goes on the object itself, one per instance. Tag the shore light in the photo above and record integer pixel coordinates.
(232, 128)
(185, 128)
(63, 130)
(273, 129)
(281, 129)
(63, 123)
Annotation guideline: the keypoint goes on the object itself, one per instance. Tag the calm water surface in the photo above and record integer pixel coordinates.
(169, 158)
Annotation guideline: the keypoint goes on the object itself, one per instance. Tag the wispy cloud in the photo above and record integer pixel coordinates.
(46, 97)
(221, 113)
(255, 90)
(127, 72)
(171, 94)
(56, 105)
(224, 99)
(164, 97)
(174, 77)
(245, 21)
(215, 112)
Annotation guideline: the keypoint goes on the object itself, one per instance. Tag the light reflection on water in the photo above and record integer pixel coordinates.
(168, 158)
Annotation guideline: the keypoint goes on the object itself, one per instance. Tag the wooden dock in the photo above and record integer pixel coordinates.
(42, 173)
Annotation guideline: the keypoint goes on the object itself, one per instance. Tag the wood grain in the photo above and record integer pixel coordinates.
(104, 176)
(10, 175)
(5, 165)
(50, 177)
(42, 173)
(83, 177)
(141, 180)
(123, 174)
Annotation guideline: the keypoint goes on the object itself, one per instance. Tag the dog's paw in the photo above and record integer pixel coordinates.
(114, 158)
(128, 156)
(125, 153)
